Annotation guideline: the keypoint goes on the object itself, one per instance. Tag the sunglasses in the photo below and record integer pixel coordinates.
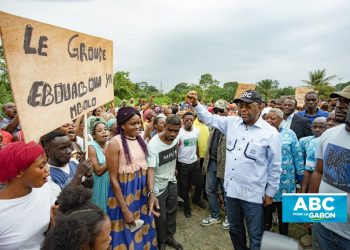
(217, 110)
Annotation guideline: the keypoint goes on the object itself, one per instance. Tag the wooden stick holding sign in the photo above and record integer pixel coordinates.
(86, 139)
(56, 74)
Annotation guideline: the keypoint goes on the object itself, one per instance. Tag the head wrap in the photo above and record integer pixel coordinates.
(157, 110)
(94, 122)
(149, 114)
(125, 113)
(110, 123)
(17, 156)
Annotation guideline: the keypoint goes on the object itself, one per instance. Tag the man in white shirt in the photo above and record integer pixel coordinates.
(253, 165)
(188, 164)
(162, 154)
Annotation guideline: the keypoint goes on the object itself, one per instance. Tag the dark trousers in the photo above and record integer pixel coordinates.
(190, 174)
(201, 160)
(237, 211)
(166, 222)
(268, 211)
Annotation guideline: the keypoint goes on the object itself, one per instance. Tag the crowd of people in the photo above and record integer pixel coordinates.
(144, 160)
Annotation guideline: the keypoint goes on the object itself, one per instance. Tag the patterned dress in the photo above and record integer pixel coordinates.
(101, 183)
(292, 163)
(132, 180)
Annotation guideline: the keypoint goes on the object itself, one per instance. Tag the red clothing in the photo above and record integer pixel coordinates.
(6, 137)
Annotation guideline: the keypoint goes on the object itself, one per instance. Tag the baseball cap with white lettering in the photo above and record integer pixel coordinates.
(249, 96)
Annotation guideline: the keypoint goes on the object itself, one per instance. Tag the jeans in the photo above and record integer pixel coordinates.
(323, 238)
(253, 213)
(211, 185)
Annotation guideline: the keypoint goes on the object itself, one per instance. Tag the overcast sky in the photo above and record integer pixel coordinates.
(173, 41)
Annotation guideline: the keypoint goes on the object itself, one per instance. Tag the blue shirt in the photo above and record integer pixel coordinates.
(320, 113)
(60, 177)
(253, 156)
(308, 147)
(292, 162)
(7, 121)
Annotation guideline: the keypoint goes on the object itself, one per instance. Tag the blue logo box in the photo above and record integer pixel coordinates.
(314, 207)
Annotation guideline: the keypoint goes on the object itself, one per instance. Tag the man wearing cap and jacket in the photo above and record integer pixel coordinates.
(252, 168)
(214, 168)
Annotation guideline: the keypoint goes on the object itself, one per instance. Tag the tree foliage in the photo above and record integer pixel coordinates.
(208, 83)
(340, 86)
(123, 87)
(318, 79)
(321, 83)
(286, 91)
(268, 88)
(229, 90)
(5, 88)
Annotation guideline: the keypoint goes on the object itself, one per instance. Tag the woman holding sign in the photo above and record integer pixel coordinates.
(131, 196)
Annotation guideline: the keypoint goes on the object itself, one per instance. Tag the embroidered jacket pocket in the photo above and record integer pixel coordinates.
(231, 147)
(253, 151)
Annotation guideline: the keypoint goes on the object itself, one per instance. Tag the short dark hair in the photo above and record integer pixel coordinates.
(51, 136)
(188, 113)
(173, 120)
(94, 111)
(157, 119)
(312, 92)
(174, 108)
(293, 99)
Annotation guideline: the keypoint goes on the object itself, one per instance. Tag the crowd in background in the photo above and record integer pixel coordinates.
(145, 160)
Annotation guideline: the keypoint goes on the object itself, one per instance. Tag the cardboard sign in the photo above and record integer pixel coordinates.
(300, 94)
(55, 74)
(244, 87)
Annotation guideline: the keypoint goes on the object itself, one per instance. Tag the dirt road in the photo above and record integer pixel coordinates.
(193, 236)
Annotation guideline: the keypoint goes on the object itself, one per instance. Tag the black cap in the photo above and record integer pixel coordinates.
(249, 96)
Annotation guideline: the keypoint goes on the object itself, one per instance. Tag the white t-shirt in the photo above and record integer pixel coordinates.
(162, 157)
(188, 145)
(24, 220)
(334, 149)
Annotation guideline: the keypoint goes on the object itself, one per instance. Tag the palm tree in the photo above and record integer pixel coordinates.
(318, 79)
(267, 87)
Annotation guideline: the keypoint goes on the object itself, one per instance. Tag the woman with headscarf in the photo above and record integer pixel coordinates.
(148, 116)
(112, 127)
(131, 190)
(97, 149)
(26, 199)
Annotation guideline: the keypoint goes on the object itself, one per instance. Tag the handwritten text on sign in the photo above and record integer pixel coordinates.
(56, 74)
